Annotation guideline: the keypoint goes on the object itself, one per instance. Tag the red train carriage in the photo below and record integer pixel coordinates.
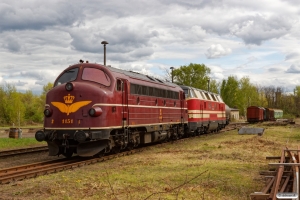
(94, 109)
(255, 114)
(206, 110)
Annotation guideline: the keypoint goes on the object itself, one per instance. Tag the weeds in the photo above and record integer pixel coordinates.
(218, 166)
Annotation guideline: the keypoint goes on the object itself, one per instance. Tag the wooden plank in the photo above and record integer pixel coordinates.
(285, 184)
(274, 157)
(267, 188)
(276, 184)
(273, 173)
(259, 196)
(285, 164)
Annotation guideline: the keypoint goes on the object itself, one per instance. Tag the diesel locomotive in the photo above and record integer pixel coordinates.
(94, 109)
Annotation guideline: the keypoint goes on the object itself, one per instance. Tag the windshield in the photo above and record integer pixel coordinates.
(95, 75)
(67, 76)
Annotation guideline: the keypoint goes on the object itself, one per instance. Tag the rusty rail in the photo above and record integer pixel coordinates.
(19, 173)
(22, 151)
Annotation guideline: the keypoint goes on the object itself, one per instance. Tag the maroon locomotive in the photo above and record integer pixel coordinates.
(93, 109)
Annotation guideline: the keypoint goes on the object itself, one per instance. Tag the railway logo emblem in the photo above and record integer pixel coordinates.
(69, 107)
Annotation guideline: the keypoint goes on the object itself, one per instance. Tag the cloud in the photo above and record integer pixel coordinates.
(274, 69)
(189, 35)
(292, 56)
(20, 83)
(33, 74)
(294, 68)
(12, 44)
(257, 29)
(120, 38)
(38, 77)
(38, 15)
(126, 43)
(217, 72)
(37, 36)
(217, 51)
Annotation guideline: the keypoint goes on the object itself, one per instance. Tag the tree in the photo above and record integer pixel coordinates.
(214, 86)
(11, 106)
(33, 109)
(194, 75)
(247, 95)
(229, 91)
(239, 93)
(262, 101)
(46, 89)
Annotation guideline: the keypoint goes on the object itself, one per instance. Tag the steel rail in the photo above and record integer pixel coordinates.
(29, 150)
(37, 169)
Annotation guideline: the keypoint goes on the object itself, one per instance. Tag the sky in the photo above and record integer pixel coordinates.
(258, 39)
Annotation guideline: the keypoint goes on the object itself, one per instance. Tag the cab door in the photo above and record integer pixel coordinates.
(125, 113)
(183, 107)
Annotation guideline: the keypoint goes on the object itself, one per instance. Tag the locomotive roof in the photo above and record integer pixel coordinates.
(140, 76)
(187, 87)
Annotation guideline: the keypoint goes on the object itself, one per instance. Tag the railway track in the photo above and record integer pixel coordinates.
(18, 173)
(23, 151)
(22, 172)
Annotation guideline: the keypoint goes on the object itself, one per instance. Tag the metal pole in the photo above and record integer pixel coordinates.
(104, 44)
(208, 84)
(172, 73)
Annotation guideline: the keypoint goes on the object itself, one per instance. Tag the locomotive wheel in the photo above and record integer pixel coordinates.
(68, 153)
(130, 146)
(100, 154)
(116, 149)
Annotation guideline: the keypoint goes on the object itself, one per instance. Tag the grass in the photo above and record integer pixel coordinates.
(11, 143)
(27, 139)
(218, 166)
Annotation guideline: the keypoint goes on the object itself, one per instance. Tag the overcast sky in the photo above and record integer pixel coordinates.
(257, 38)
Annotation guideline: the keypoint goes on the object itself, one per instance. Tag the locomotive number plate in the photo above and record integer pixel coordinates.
(67, 121)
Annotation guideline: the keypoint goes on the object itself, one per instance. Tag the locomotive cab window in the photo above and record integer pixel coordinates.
(207, 96)
(197, 93)
(67, 76)
(220, 98)
(186, 93)
(203, 96)
(95, 75)
(119, 85)
(192, 94)
(213, 96)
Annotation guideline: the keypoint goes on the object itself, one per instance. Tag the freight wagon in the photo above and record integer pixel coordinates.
(255, 114)
(259, 114)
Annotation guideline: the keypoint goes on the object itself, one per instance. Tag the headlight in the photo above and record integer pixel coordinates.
(69, 86)
(95, 111)
(47, 112)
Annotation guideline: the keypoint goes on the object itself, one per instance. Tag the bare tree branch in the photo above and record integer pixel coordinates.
(179, 186)
(112, 189)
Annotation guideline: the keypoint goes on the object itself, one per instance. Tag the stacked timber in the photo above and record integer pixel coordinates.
(283, 182)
